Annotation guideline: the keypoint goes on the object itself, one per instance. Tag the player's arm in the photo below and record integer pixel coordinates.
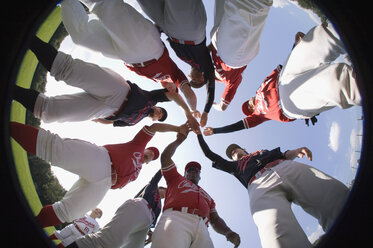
(221, 227)
(300, 153)
(180, 101)
(217, 161)
(221, 106)
(210, 97)
(169, 151)
(163, 127)
(225, 129)
(103, 121)
(190, 97)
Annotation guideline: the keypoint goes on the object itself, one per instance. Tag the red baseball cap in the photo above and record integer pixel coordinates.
(246, 107)
(155, 150)
(193, 164)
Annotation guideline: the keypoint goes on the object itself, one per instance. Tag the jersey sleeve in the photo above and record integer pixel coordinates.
(159, 95)
(240, 125)
(170, 173)
(254, 120)
(143, 136)
(119, 123)
(212, 206)
(210, 95)
(230, 90)
(217, 161)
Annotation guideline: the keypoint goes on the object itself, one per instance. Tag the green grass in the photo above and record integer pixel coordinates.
(18, 113)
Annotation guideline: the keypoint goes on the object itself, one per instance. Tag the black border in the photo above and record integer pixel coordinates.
(20, 19)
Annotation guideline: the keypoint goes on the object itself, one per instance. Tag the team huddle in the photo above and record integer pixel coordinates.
(303, 87)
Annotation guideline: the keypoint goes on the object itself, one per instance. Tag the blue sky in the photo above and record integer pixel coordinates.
(334, 140)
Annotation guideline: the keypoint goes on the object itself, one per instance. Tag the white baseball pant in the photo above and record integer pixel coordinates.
(121, 32)
(68, 234)
(238, 25)
(310, 82)
(183, 20)
(182, 230)
(127, 229)
(289, 182)
(91, 162)
(104, 92)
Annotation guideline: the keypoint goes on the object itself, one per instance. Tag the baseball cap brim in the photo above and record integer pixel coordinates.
(164, 115)
(193, 164)
(245, 108)
(155, 151)
(230, 149)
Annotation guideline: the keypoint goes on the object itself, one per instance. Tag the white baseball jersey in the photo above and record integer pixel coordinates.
(80, 227)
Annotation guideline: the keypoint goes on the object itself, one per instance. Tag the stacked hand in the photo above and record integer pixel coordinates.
(208, 131)
(300, 153)
(234, 238)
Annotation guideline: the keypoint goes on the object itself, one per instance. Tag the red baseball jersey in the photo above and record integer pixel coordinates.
(231, 77)
(163, 70)
(127, 157)
(267, 102)
(183, 193)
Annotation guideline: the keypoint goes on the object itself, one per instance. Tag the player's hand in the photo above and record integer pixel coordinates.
(193, 123)
(234, 238)
(184, 129)
(196, 114)
(304, 151)
(203, 119)
(149, 239)
(216, 106)
(171, 87)
(300, 153)
(298, 38)
(208, 131)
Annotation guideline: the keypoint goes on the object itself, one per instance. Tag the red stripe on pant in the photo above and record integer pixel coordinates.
(47, 217)
(25, 135)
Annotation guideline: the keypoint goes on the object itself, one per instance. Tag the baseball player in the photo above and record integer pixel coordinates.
(274, 181)
(100, 168)
(121, 32)
(184, 22)
(78, 228)
(131, 222)
(308, 84)
(235, 36)
(187, 207)
(107, 97)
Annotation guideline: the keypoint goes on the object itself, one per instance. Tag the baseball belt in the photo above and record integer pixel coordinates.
(194, 211)
(184, 42)
(267, 167)
(114, 176)
(121, 106)
(78, 228)
(143, 64)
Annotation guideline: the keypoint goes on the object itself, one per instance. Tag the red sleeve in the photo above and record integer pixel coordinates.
(170, 173)
(212, 206)
(143, 136)
(253, 120)
(230, 90)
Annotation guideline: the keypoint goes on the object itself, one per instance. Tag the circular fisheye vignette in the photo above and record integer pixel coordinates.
(345, 28)
(39, 18)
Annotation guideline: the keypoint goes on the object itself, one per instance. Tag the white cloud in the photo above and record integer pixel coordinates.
(280, 3)
(334, 136)
(355, 146)
(284, 3)
(316, 234)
